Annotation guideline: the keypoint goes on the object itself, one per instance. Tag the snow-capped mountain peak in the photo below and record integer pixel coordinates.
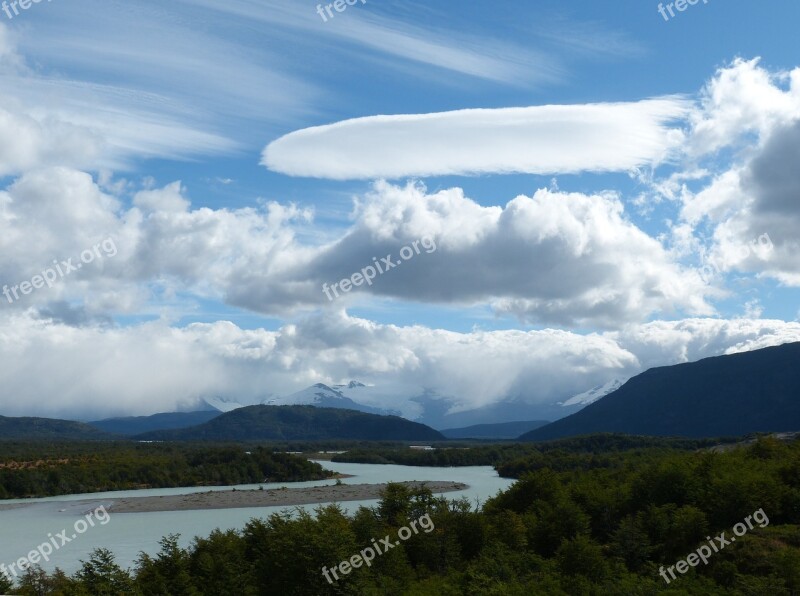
(223, 404)
(350, 385)
(325, 396)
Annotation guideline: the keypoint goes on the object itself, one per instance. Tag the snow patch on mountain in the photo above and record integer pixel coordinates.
(593, 394)
(325, 396)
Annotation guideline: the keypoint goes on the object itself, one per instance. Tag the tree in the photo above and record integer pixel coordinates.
(5, 583)
(630, 543)
(101, 575)
(168, 573)
(581, 556)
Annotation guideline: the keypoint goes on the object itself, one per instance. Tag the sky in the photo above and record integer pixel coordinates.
(528, 199)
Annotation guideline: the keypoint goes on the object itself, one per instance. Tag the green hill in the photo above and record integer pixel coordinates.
(733, 395)
(38, 429)
(136, 425)
(293, 423)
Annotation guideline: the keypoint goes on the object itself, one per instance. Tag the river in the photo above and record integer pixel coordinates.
(127, 534)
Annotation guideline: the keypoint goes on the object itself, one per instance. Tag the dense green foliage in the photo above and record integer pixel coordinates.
(48, 429)
(507, 457)
(31, 470)
(299, 423)
(601, 531)
(502, 430)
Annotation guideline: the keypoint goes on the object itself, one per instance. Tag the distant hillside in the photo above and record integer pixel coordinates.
(443, 412)
(733, 395)
(502, 430)
(308, 423)
(324, 396)
(135, 425)
(42, 429)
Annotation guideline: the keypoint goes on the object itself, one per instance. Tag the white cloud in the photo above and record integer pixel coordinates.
(95, 370)
(168, 199)
(741, 100)
(480, 56)
(534, 140)
(662, 343)
(747, 128)
(92, 127)
(556, 258)
(103, 92)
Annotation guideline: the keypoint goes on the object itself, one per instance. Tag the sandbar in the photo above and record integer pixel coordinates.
(237, 499)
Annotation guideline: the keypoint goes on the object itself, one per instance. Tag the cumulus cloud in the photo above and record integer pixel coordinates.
(742, 102)
(554, 257)
(772, 182)
(534, 140)
(750, 200)
(162, 247)
(559, 258)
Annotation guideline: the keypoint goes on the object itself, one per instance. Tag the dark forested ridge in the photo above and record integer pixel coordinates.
(559, 531)
(502, 430)
(40, 470)
(732, 395)
(48, 429)
(135, 425)
(300, 423)
(501, 455)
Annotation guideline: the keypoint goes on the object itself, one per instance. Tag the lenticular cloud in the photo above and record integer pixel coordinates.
(534, 140)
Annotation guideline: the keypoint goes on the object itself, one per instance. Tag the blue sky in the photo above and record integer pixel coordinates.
(244, 153)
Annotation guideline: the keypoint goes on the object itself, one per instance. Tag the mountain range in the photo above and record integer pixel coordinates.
(426, 407)
(325, 396)
(294, 423)
(732, 395)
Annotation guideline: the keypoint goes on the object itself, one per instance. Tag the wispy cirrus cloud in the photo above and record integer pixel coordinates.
(201, 77)
(401, 36)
